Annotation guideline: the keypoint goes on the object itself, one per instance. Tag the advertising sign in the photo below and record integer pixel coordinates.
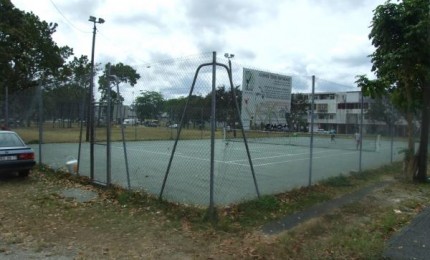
(266, 98)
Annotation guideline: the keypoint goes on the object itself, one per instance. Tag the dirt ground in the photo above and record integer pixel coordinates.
(38, 222)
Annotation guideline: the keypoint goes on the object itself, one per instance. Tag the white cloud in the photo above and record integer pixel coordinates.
(298, 37)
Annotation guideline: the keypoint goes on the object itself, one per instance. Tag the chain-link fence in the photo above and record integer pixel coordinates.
(188, 134)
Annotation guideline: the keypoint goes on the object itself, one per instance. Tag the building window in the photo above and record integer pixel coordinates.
(352, 106)
(322, 108)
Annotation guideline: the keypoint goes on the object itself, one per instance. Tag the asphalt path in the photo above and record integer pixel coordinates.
(413, 241)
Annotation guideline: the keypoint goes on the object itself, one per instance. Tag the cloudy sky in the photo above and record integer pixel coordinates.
(325, 38)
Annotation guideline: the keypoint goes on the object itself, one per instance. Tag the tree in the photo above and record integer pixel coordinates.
(28, 57)
(118, 73)
(27, 51)
(401, 62)
(197, 110)
(149, 105)
(381, 109)
(225, 104)
(297, 118)
(65, 99)
(174, 108)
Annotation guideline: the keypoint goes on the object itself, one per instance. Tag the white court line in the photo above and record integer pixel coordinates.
(278, 151)
(273, 157)
(235, 162)
(167, 154)
(286, 161)
(328, 155)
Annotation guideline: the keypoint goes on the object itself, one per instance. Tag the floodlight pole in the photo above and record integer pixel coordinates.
(90, 122)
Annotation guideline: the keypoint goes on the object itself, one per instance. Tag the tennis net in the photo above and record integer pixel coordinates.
(341, 142)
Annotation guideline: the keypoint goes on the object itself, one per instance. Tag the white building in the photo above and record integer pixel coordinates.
(341, 111)
(118, 111)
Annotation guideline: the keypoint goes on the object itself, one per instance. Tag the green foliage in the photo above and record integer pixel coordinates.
(27, 51)
(149, 105)
(251, 212)
(199, 107)
(226, 111)
(264, 204)
(382, 110)
(338, 181)
(116, 74)
(299, 111)
(400, 33)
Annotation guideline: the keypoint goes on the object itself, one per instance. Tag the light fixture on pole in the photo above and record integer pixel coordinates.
(91, 136)
(229, 56)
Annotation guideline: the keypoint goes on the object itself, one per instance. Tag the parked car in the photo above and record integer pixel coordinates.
(131, 121)
(15, 155)
(152, 123)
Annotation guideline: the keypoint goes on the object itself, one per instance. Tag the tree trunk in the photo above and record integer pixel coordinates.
(410, 164)
(410, 158)
(423, 149)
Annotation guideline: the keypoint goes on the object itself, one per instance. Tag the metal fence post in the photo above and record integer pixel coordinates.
(124, 144)
(213, 122)
(6, 105)
(361, 132)
(40, 120)
(312, 131)
(108, 133)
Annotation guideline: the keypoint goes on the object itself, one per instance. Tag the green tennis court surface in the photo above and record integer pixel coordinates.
(278, 168)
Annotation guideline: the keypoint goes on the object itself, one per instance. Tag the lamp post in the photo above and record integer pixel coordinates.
(94, 20)
(229, 56)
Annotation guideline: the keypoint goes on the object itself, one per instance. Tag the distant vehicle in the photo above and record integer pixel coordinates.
(11, 123)
(151, 123)
(131, 121)
(173, 126)
(15, 155)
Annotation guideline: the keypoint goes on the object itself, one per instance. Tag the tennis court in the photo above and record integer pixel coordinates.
(278, 168)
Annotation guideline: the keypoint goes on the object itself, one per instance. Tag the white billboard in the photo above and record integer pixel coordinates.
(266, 98)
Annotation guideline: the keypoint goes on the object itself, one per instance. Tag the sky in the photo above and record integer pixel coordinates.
(325, 38)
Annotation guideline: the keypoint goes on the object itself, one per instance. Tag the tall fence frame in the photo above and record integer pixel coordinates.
(258, 180)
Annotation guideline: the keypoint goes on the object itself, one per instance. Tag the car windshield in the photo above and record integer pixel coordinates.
(10, 139)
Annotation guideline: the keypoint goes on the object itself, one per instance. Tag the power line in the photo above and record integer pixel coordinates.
(65, 18)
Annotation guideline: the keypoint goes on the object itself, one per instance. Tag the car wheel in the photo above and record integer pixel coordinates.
(24, 173)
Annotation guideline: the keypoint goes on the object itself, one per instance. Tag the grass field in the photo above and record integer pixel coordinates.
(131, 133)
